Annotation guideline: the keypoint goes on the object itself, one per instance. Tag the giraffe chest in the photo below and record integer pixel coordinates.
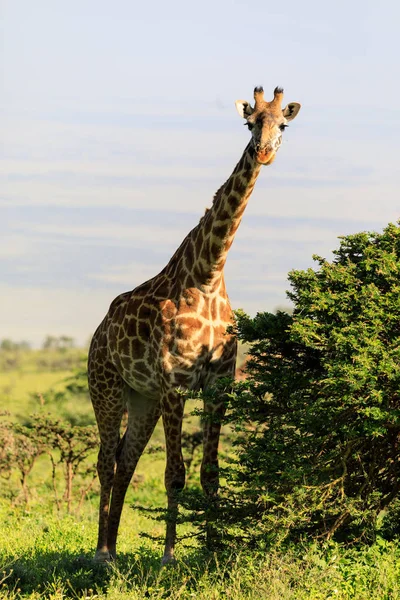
(175, 343)
(196, 347)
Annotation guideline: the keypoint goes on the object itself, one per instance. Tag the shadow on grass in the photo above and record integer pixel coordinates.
(77, 573)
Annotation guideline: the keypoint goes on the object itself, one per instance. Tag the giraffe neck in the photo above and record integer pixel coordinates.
(202, 255)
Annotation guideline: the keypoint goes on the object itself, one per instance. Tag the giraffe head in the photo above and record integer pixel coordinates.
(267, 121)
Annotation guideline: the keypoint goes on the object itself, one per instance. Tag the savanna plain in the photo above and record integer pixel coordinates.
(49, 501)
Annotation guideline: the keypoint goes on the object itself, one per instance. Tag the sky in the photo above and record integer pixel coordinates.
(118, 125)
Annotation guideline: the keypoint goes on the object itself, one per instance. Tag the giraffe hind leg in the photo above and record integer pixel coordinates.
(108, 404)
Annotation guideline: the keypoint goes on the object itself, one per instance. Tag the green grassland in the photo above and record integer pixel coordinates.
(47, 553)
(21, 390)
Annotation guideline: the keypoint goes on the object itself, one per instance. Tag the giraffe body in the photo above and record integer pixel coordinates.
(168, 336)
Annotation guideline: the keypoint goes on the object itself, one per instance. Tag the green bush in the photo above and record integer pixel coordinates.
(319, 416)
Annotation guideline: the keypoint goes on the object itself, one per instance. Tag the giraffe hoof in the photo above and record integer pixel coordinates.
(102, 556)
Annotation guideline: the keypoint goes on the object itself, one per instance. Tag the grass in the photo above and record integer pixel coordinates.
(20, 391)
(49, 554)
(45, 556)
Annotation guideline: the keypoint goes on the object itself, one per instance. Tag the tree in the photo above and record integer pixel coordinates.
(74, 444)
(19, 450)
(62, 342)
(318, 451)
(8, 345)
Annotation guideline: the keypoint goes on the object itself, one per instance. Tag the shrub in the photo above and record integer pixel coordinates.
(69, 446)
(319, 416)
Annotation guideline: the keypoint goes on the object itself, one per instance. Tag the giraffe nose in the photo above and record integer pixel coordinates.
(265, 156)
(268, 147)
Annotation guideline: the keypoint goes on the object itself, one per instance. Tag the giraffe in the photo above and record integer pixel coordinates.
(168, 337)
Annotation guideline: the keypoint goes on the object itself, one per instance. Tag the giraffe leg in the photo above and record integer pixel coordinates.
(172, 413)
(143, 414)
(109, 404)
(209, 473)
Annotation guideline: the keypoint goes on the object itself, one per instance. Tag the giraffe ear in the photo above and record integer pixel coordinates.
(244, 109)
(291, 111)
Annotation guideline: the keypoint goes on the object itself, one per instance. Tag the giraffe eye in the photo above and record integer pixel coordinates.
(283, 127)
(249, 125)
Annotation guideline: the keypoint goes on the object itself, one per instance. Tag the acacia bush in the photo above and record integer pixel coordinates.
(318, 419)
(68, 448)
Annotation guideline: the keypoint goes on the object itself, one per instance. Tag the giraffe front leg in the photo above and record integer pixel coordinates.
(209, 474)
(172, 413)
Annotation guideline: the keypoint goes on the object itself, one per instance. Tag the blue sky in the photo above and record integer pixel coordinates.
(119, 125)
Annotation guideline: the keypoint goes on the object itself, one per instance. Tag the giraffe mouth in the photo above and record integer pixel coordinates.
(265, 157)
